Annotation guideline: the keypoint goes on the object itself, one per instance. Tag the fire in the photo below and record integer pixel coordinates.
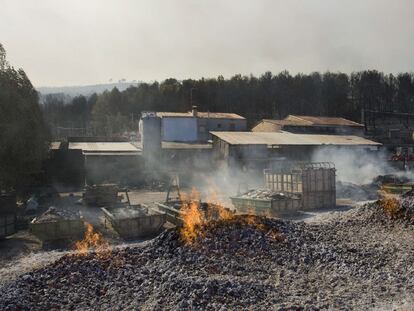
(193, 218)
(390, 204)
(93, 240)
(196, 216)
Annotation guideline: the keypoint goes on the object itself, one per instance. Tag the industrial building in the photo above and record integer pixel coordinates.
(311, 125)
(194, 126)
(395, 131)
(79, 161)
(245, 148)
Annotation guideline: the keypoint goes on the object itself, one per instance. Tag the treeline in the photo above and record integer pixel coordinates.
(267, 96)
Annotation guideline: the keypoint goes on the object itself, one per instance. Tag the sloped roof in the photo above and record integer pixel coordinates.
(324, 121)
(286, 138)
(205, 115)
(89, 147)
(286, 122)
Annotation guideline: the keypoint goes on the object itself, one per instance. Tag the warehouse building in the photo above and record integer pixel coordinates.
(311, 125)
(77, 162)
(255, 149)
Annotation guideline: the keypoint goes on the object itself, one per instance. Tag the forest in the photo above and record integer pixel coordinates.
(267, 96)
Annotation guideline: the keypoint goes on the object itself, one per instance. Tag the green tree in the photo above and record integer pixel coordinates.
(23, 134)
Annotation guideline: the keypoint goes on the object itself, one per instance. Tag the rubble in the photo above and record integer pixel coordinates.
(392, 209)
(53, 214)
(390, 179)
(247, 263)
(267, 194)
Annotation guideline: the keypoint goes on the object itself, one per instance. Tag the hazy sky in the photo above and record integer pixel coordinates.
(76, 42)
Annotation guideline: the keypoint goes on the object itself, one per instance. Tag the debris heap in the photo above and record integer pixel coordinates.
(241, 263)
(392, 209)
(267, 194)
(54, 214)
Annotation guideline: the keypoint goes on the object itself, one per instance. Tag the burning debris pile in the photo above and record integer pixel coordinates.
(231, 263)
(391, 209)
(93, 241)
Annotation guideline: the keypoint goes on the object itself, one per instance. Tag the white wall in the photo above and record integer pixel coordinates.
(179, 129)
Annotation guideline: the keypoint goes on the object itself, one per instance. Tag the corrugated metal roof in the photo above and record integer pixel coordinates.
(324, 121)
(103, 146)
(204, 115)
(179, 145)
(286, 138)
(128, 154)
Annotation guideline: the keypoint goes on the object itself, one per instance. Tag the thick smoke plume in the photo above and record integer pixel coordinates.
(358, 166)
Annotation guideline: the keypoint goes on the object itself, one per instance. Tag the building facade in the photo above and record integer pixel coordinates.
(195, 126)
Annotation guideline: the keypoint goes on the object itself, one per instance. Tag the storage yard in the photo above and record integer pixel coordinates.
(256, 226)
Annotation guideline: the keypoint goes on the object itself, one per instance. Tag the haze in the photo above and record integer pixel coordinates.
(78, 42)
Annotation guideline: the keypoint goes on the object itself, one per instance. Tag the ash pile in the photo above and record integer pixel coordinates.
(53, 214)
(390, 210)
(267, 194)
(238, 263)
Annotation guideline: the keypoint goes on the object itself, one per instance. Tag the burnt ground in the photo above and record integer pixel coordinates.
(22, 251)
(354, 259)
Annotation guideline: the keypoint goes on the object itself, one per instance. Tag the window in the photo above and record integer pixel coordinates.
(219, 125)
(232, 126)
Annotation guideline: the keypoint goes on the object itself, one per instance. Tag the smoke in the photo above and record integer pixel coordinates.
(358, 166)
(223, 181)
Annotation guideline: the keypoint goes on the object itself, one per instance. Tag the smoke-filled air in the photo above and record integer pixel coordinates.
(206, 155)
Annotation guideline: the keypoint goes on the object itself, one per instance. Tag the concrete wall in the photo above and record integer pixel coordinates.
(179, 129)
(150, 129)
(122, 169)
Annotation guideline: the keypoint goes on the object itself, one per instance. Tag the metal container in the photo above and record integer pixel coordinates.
(173, 213)
(136, 221)
(266, 207)
(7, 225)
(63, 229)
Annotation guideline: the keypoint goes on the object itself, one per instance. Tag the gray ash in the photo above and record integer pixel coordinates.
(239, 265)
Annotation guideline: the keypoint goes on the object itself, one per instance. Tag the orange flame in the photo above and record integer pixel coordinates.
(390, 204)
(192, 220)
(92, 240)
(194, 217)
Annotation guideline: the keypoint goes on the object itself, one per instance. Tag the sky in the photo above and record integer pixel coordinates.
(80, 42)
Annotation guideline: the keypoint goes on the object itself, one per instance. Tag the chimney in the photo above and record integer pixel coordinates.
(194, 111)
